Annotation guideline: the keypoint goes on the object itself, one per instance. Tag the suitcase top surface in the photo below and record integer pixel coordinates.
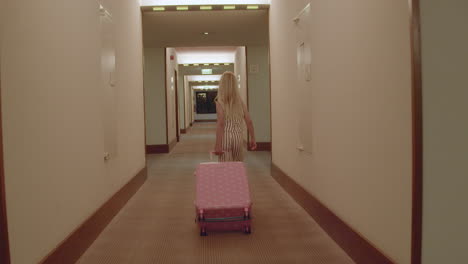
(222, 185)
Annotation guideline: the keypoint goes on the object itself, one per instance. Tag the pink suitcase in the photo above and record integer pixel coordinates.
(222, 197)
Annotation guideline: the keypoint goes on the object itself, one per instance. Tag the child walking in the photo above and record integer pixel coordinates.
(230, 126)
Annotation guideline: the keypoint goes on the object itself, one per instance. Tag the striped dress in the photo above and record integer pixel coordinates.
(233, 140)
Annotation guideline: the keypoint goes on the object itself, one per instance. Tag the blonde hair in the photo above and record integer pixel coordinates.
(228, 96)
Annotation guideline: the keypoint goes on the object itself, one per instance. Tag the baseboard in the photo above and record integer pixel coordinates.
(186, 130)
(262, 146)
(156, 149)
(357, 247)
(172, 144)
(71, 249)
(205, 120)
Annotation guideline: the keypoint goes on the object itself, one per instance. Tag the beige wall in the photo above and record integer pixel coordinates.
(171, 66)
(194, 112)
(259, 91)
(181, 93)
(445, 92)
(155, 102)
(2, 18)
(56, 176)
(360, 113)
(188, 102)
(239, 70)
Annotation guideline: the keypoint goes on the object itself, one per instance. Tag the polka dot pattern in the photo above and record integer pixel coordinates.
(222, 191)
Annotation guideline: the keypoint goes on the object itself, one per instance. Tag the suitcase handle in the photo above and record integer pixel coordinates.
(213, 152)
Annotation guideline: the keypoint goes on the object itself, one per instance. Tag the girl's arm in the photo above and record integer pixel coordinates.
(219, 129)
(250, 128)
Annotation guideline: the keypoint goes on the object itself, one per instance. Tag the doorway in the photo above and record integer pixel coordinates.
(206, 102)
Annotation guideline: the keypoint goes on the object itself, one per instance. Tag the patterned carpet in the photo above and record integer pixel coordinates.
(157, 225)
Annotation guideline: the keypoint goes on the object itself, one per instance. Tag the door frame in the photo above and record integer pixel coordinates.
(247, 104)
(417, 132)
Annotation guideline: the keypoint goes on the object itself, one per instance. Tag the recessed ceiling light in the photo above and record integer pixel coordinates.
(196, 64)
(230, 7)
(206, 64)
(217, 64)
(206, 7)
(252, 7)
(182, 8)
(206, 33)
(159, 8)
(186, 64)
(226, 63)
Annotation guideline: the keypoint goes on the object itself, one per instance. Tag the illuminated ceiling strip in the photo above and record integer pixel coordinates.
(205, 64)
(203, 2)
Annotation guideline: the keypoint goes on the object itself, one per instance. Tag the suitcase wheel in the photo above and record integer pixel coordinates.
(247, 230)
(203, 232)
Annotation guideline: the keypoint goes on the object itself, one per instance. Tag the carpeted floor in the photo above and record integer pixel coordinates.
(157, 225)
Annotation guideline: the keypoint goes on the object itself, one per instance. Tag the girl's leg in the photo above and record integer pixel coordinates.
(237, 147)
(226, 147)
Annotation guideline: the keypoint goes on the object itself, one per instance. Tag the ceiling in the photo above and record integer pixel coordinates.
(186, 28)
(190, 55)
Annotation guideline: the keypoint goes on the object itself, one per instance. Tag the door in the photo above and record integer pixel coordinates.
(303, 90)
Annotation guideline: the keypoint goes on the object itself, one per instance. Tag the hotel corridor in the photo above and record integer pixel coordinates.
(358, 107)
(157, 224)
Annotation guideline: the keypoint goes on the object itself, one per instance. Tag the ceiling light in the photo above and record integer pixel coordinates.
(230, 7)
(186, 64)
(216, 64)
(206, 64)
(252, 7)
(206, 33)
(196, 64)
(226, 63)
(206, 7)
(182, 8)
(159, 8)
